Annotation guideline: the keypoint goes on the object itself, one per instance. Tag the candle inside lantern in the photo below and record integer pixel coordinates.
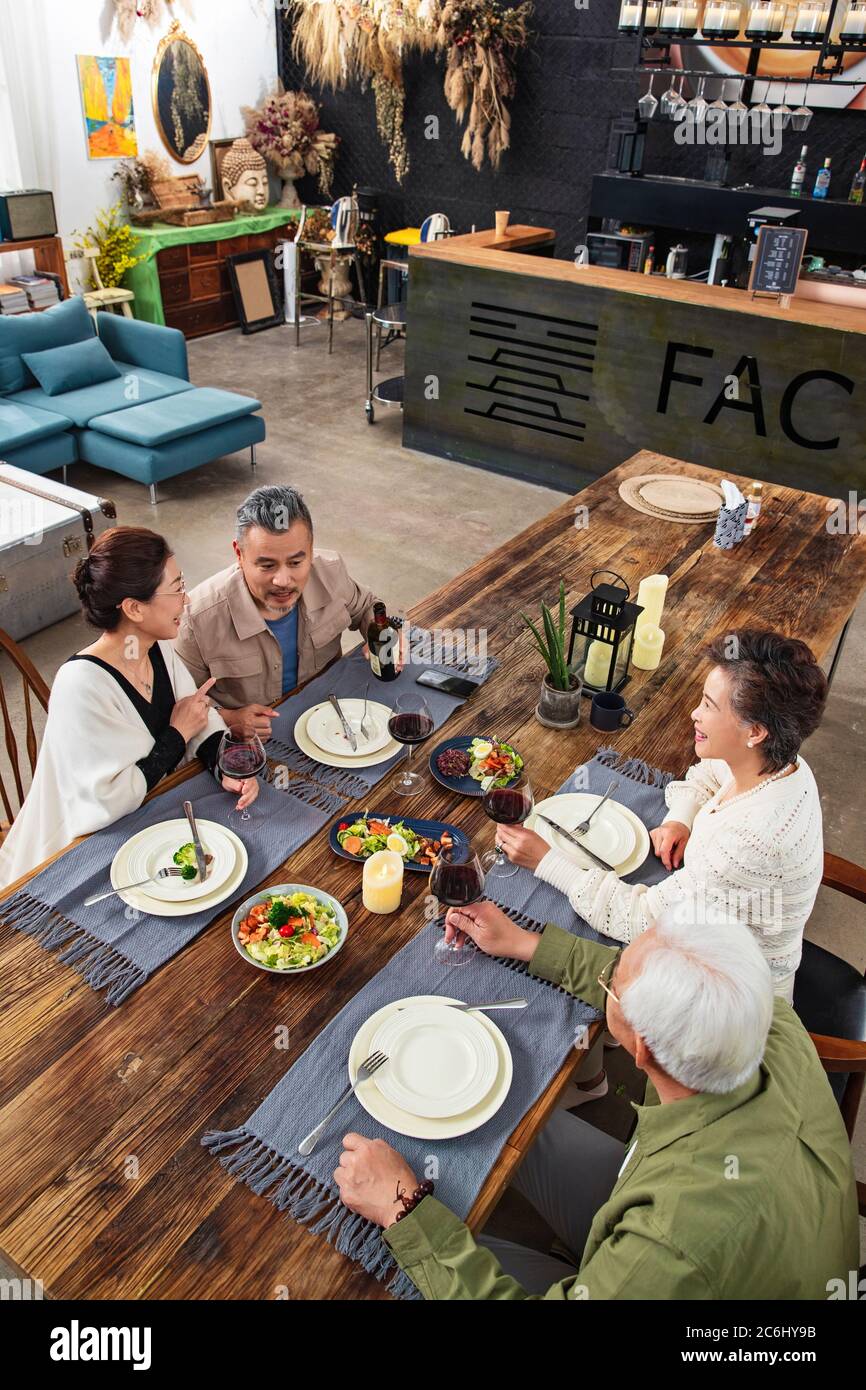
(648, 644)
(854, 25)
(721, 20)
(765, 21)
(629, 16)
(651, 597)
(597, 666)
(679, 18)
(383, 881)
(811, 20)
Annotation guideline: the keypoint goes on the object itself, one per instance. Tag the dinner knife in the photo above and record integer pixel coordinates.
(495, 1004)
(596, 859)
(199, 852)
(347, 728)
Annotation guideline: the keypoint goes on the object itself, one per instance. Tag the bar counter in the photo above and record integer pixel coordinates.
(554, 372)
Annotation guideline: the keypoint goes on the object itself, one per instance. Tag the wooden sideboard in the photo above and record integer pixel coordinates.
(195, 285)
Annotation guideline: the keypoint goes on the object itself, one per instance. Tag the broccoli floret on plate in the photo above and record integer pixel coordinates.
(186, 861)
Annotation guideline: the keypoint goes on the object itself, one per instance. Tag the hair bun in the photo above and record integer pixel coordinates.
(82, 576)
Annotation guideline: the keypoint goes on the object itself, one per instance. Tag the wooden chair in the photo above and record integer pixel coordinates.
(100, 297)
(830, 997)
(32, 682)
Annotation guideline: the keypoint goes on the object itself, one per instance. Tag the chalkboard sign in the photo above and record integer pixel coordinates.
(778, 257)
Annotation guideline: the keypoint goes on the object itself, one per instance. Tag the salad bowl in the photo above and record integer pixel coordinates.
(323, 916)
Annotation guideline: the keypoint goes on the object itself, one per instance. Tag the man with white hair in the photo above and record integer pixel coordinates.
(738, 1182)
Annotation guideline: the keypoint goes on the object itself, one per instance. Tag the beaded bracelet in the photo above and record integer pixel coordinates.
(424, 1189)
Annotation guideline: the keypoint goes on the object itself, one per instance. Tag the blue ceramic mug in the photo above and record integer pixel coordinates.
(609, 712)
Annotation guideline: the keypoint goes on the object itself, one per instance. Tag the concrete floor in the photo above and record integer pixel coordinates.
(406, 523)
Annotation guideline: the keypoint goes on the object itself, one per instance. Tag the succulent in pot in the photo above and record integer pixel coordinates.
(559, 704)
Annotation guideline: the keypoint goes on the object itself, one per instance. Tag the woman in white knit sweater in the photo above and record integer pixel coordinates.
(743, 831)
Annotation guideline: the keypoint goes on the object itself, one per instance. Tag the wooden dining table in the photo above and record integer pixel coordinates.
(105, 1188)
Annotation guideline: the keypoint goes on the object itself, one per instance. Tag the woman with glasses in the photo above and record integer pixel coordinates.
(124, 711)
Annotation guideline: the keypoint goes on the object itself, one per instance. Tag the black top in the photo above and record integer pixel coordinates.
(169, 745)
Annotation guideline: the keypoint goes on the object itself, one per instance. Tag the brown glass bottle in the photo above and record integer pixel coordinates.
(383, 642)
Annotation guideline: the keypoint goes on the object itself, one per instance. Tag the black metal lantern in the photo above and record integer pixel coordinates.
(604, 621)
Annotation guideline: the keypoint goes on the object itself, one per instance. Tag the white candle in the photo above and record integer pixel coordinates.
(597, 664)
(648, 644)
(383, 881)
(854, 25)
(651, 597)
(629, 15)
(722, 18)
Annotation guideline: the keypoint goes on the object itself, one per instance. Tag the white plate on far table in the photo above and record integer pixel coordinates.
(326, 731)
(402, 1121)
(306, 745)
(616, 834)
(441, 1062)
(172, 834)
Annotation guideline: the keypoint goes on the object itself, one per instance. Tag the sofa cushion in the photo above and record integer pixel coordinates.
(22, 424)
(69, 368)
(159, 422)
(68, 322)
(123, 393)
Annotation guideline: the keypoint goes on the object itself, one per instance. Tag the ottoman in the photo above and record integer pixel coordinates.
(162, 438)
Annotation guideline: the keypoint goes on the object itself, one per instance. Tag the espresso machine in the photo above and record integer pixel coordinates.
(731, 262)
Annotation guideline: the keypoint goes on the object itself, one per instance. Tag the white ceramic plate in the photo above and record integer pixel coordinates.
(573, 807)
(326, 731)
(418, 1126)
(145, 902)
(154, 848)
(441, 1062)
(274, 892)
(306, 745)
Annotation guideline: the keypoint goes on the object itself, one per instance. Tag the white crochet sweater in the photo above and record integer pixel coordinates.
(761, 858)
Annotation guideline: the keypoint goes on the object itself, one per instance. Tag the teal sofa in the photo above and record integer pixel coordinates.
(146, 420)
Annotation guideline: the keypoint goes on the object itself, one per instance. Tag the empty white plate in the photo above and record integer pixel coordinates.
(441, 1062)
(632, 842)
(326, 731)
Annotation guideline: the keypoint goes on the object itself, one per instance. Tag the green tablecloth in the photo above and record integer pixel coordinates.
(143, 279)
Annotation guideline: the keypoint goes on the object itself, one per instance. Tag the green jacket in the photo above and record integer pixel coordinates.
(746, 1195)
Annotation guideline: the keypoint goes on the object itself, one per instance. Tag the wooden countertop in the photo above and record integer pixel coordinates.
(483, 250)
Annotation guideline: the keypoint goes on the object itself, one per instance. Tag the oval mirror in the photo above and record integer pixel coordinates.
(181, 96)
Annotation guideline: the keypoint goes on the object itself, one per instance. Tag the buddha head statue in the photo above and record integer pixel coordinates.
(245, 175)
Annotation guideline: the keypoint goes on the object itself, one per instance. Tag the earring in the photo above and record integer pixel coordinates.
(750, 743)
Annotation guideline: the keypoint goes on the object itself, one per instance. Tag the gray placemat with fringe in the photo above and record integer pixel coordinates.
(262, 1152)
(114, 946)
(348, 678)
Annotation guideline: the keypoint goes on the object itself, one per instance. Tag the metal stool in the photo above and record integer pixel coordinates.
(388, 392)
(398, 330)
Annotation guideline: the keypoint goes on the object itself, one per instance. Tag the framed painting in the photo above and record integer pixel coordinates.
(106, 97)
(255, 290)
(180, 92)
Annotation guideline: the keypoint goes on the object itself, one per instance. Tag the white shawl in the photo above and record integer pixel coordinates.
(86, 775)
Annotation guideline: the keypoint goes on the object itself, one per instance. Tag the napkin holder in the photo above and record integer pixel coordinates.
(730, 526)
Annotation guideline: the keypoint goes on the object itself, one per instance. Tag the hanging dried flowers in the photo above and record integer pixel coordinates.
(390, 106)
(285, 130)
(154, 12)
(482, 39)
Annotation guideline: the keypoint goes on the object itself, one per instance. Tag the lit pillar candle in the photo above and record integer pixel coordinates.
(648, 644)
(383, 881)
(651, 597)
(597, 664)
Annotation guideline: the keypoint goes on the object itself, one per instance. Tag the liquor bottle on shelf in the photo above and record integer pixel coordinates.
(822, 182)
(858, 185)
(383, 643)
(648, 263)
(798, 177)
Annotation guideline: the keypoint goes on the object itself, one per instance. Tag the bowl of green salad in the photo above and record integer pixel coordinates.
(289, 929)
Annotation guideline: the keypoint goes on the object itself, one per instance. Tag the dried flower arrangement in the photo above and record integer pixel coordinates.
(285, 130)
(136, 176)
(154, 12)
(482, 39)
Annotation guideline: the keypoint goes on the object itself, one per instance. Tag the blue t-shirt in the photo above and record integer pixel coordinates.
(286, 632)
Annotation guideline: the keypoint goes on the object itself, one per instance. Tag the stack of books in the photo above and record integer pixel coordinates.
(41, 291)
(13, 300)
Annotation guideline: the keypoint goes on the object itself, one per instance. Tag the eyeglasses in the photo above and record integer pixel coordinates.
(603, 982)
(173, 593)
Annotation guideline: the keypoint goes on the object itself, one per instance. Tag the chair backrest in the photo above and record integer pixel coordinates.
(435, 227)
(344, 220)
(33, 684)
(845, 1055)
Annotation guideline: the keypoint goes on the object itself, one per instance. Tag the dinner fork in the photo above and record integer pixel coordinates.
(364, 729)
(161, 873)
(584, 824)
(365, 1071)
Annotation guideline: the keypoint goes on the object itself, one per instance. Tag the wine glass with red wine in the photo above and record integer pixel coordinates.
(456, 881)
(507, 806)
(240, 757)
(410, 723)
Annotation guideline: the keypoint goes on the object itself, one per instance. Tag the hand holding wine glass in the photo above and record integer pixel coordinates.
(241, 759)
(456, 882)
(507, 806)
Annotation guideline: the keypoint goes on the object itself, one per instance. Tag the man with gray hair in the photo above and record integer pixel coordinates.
(738, 1183)
(275, 617)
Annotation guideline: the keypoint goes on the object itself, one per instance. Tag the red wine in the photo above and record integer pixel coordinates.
(507, 805)
(457, 885)
(383, 644)
(241, 763)
(410, 728)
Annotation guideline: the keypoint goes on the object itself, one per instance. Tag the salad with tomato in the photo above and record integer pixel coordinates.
(289, 931)
(490, 758)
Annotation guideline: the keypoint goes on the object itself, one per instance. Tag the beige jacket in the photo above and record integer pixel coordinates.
(223, 634)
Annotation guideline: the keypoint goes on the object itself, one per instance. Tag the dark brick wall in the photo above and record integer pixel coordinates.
(567, 96)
